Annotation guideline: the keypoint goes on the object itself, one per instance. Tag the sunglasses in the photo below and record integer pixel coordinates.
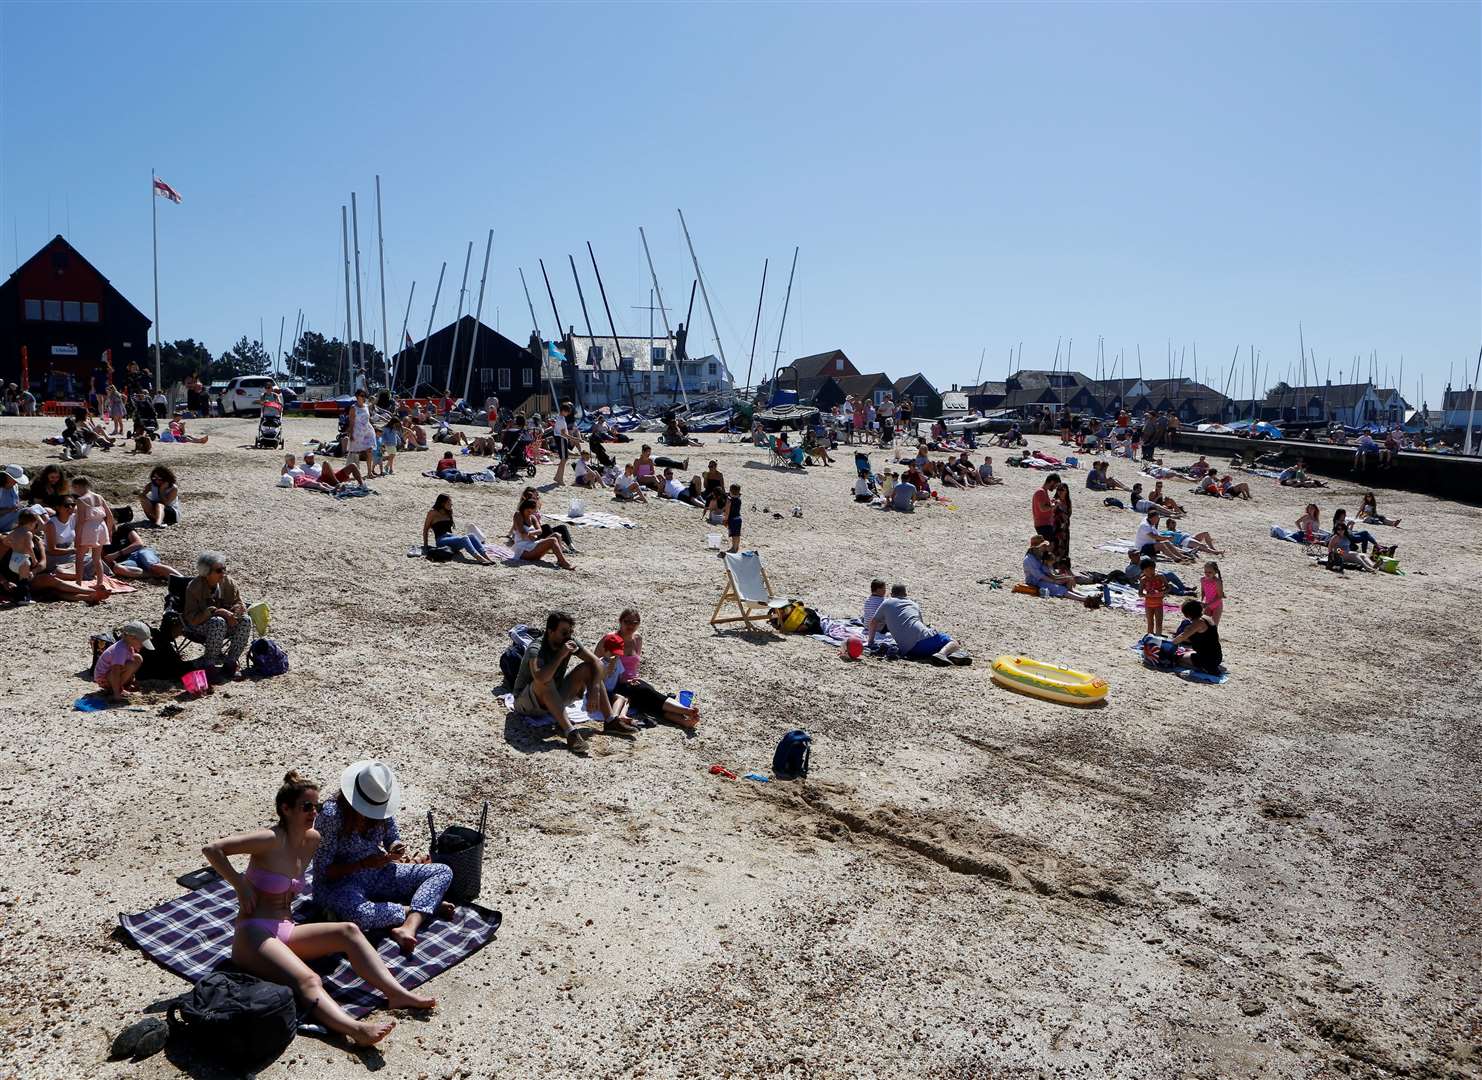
(217, 570)
(306, 806)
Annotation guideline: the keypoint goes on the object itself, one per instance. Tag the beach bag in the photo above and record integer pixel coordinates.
(98, 644)
(790, 762)
(461, 850)
(164, 662)
(794, 618)
(266, 658)
(1113, 501)
(236, 1017)
(439, 554)
(514, 653)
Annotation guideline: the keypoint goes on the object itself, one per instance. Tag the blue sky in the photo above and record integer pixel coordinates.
(958, 177)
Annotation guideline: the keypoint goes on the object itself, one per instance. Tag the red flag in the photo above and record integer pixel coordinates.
(165, 191)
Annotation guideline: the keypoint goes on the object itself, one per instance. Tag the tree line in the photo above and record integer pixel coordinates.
(315, 359)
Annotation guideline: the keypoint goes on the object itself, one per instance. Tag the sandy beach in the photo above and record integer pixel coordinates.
(1274, 877)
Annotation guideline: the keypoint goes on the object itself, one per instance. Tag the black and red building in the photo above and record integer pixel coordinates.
(65, 315)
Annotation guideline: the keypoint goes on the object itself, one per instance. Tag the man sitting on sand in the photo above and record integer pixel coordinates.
(902, 618)
(548, 682)
(327, 474)
(1038, 572)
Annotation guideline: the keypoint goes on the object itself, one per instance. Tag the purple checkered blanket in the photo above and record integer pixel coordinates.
(192, 936)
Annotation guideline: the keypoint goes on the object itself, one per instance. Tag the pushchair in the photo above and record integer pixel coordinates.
(270, 427)
(512, 459)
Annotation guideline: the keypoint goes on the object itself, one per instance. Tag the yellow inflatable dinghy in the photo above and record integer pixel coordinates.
(1048, 681)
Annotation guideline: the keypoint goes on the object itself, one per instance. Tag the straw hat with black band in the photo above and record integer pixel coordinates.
(372, 789)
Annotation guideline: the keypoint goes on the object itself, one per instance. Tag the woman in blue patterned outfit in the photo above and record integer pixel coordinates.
(362, 871)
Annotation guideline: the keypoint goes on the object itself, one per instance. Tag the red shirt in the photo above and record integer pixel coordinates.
(1043, 506)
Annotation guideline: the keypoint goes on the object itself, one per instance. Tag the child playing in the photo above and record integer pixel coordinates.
(1153, 585)
(22, 553)
(1212, 592)
(119, 663)
(390, 441)
(177, 432)
(874, 600)
(864, 487)
(93, 526)
(733, 518)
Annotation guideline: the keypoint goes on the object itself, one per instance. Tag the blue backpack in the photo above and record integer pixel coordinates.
(266, 658)
(790, 762)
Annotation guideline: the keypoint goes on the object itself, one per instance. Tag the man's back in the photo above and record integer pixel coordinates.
(902, 617)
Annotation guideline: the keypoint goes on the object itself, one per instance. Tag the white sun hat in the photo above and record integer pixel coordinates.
(18, 474)
(372, 789)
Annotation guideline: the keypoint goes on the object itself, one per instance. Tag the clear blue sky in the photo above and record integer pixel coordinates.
(957, 176)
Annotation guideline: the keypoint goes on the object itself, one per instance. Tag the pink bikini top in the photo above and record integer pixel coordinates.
(270, 882)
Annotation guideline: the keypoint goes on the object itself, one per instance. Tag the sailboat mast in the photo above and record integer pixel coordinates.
(787, 300)
(705, 294)
(664, 312)
(757, 325)
(616, 344)
(473, 338)
(431, 315)
(381, 258)
(458, 321)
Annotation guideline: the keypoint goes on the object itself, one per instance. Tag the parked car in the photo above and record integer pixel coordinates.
(240, 396)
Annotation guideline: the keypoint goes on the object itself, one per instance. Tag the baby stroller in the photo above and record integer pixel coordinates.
(510, 461)
(270, 428)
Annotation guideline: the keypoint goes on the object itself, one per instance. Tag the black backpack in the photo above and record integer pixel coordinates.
(514, 654)
(790, 762)
(237, 1017)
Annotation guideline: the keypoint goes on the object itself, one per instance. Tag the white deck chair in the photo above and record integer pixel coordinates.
(748, 588)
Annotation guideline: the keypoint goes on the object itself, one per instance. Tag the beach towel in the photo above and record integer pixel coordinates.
(497, 552)
(192, 936)
(576, 714)
(352, 491)
(596, 519)
(1188, 674)
(1270, 474)
(835, 631)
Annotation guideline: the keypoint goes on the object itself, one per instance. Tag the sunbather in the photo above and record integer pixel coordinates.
(363, 871)
(548, 681)
(1202, 635)
(627, 646)
(1231, 490)
(1195, 542)
(160, 499)
(214, 613)
(671, 488)
(1340, 547)
(530, 545)
(1368, 512)
(331, 476)
(1158, 497)
(902, 618)
(561, 531)
(1362, 537)
(269, 944)
(439, 522)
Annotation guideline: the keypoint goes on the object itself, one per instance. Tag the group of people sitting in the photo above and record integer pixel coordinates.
(558, 670)
(903, 489)
(1347, 546)
(63, 541)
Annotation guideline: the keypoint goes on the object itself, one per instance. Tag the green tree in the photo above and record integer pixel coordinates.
(246, 358)
(183, 357)
(320, 361)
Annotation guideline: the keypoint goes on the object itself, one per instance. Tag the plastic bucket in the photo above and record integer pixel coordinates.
(261, 617)
(713, 540)
(686, 698)
(194, 682)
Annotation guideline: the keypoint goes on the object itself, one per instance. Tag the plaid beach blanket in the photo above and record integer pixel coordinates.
(192, 936)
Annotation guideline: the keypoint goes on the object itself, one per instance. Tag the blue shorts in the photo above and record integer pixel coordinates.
(928, 646)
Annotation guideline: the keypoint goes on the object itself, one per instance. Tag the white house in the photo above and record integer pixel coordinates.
(647, 366)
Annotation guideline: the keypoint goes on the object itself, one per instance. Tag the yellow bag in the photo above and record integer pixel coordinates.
(261, 617)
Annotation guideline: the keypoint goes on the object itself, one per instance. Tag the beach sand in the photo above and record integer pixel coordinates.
(1276, 877)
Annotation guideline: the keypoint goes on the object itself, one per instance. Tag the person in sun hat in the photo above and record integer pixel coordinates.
(12, 479)
(119, 663)
(362, 869)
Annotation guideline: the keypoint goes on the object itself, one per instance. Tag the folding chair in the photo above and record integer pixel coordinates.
(748, 588)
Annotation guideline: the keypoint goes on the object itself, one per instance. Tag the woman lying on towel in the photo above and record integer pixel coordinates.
(270, 945)
(625, 647)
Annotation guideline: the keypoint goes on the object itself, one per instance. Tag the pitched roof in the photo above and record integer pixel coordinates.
(860, 385)
(61, 241)
(901, 385)
(989, 389)
(812, 367)
(1459, 399)
(1335, 395)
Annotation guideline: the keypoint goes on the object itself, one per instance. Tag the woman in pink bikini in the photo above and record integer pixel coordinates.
(269, 944)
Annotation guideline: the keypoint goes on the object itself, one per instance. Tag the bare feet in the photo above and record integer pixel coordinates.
(408, 1000)
(370, 1032)
(407, 939)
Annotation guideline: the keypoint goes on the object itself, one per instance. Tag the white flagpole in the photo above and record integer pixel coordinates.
(473, 339)
(154, 207)
(359, 311)
(400, 346)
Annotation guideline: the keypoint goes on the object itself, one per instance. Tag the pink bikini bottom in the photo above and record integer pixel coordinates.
(280, 929)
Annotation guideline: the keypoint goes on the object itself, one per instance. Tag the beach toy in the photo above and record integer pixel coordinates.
(576, 509)
(1389, 564)
(721, 770)
(1049, 681)
(261, 617)
(853, 647)
(713, 540)
(194, 682)
(686, 698)
(758, 777)
(1027, 590)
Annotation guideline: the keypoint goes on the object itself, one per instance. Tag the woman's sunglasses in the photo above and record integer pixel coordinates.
(306, 806)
